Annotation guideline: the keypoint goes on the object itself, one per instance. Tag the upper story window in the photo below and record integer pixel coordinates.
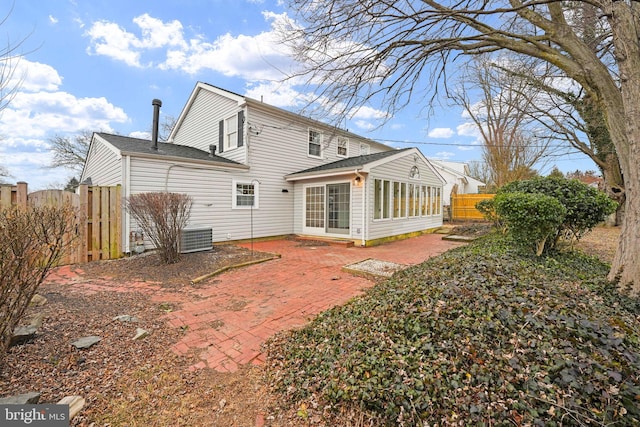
(343, 147)
(315, 143)
(364, 149)
(231, 132)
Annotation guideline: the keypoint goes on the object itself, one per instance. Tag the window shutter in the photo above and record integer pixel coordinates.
(221, 136)
(240, 128)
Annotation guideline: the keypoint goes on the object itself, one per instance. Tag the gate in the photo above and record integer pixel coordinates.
(99, 230)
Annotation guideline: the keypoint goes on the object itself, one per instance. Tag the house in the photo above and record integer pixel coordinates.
(255, 170)
(456, 174)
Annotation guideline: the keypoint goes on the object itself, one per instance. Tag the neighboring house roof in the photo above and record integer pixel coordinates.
(457, 169)
(136, 146)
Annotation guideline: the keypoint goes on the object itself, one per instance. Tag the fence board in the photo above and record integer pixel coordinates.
(463, 206)
(98, 223)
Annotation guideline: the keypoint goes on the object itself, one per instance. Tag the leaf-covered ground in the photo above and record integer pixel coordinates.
(482, 335)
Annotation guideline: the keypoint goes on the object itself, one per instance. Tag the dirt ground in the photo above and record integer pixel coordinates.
(142, 383)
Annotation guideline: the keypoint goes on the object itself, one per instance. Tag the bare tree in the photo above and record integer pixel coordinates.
(566, 113)
(162, 216)
(4, 173)
(70, 152)
(480, 171)
(502, 116)
(388, 53)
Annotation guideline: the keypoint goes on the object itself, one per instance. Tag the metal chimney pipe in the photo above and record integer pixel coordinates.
(156, 118)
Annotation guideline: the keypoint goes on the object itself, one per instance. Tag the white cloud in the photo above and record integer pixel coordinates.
(363, 124)
(41, 110)
(466, 148)
(34, 77)
(53, 19)
(140, 134)
(468, 129)
(440, 133)
(368, 113)
(282, 95)
(164, 44)
(444, 155)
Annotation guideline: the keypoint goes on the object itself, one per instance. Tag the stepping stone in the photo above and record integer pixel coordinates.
(140, 333)
(76, 403)
(126, 318)
(22, 334)
(21, 399)
(37, 301)
(86, 342)
(458, 238)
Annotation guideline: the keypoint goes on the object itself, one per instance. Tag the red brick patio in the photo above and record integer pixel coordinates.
(227, 317)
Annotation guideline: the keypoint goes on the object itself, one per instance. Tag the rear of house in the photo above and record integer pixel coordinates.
(255, 170)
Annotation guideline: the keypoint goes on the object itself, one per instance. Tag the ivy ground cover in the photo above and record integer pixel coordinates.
(482, 335)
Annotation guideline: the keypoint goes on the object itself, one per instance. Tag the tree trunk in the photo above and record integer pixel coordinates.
(625, 135)
(614, 185)
(626, 265)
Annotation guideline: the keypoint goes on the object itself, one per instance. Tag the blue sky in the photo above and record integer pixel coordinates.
(96, 65)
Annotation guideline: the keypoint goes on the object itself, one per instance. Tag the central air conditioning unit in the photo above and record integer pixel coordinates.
(195, 239)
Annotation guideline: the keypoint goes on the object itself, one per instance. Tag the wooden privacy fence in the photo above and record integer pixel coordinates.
(98, 234)
(463, 206)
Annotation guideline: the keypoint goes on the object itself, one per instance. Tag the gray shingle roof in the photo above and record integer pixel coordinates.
(351, 162)
(143, 146)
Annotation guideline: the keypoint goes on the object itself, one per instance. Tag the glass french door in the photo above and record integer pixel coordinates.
(327, 208)
(338, 204)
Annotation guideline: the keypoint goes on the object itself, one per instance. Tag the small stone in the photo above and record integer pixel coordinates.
(21, 399)
(140, 333)
(126, 318)
(335, 278)
(36, 320)
(86, 342)
(22, 334)
(222, 403)
(76, 403)
(37, 301)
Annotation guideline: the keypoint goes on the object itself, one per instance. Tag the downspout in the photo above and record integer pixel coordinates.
(363, 239)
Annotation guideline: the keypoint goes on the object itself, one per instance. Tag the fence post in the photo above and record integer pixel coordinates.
(83, 223)
(21, 195)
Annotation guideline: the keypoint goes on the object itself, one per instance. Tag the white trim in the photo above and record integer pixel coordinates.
(256, 193)
(346, 141)
(319, 143)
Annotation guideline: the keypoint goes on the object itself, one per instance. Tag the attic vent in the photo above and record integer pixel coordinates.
(195, 239)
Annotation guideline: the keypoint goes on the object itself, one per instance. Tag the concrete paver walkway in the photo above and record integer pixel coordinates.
(227, 317)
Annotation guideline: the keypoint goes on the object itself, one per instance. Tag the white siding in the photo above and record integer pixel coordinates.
(398, 170)
(212, 191)
(200, 128)
(103, 166)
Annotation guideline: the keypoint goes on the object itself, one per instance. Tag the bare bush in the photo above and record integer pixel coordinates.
(33, 241)
(162, 216)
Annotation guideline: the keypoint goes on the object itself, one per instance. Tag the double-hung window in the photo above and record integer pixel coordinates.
(231, 131)
(245, 194)
(315, 143)
(343, 147)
